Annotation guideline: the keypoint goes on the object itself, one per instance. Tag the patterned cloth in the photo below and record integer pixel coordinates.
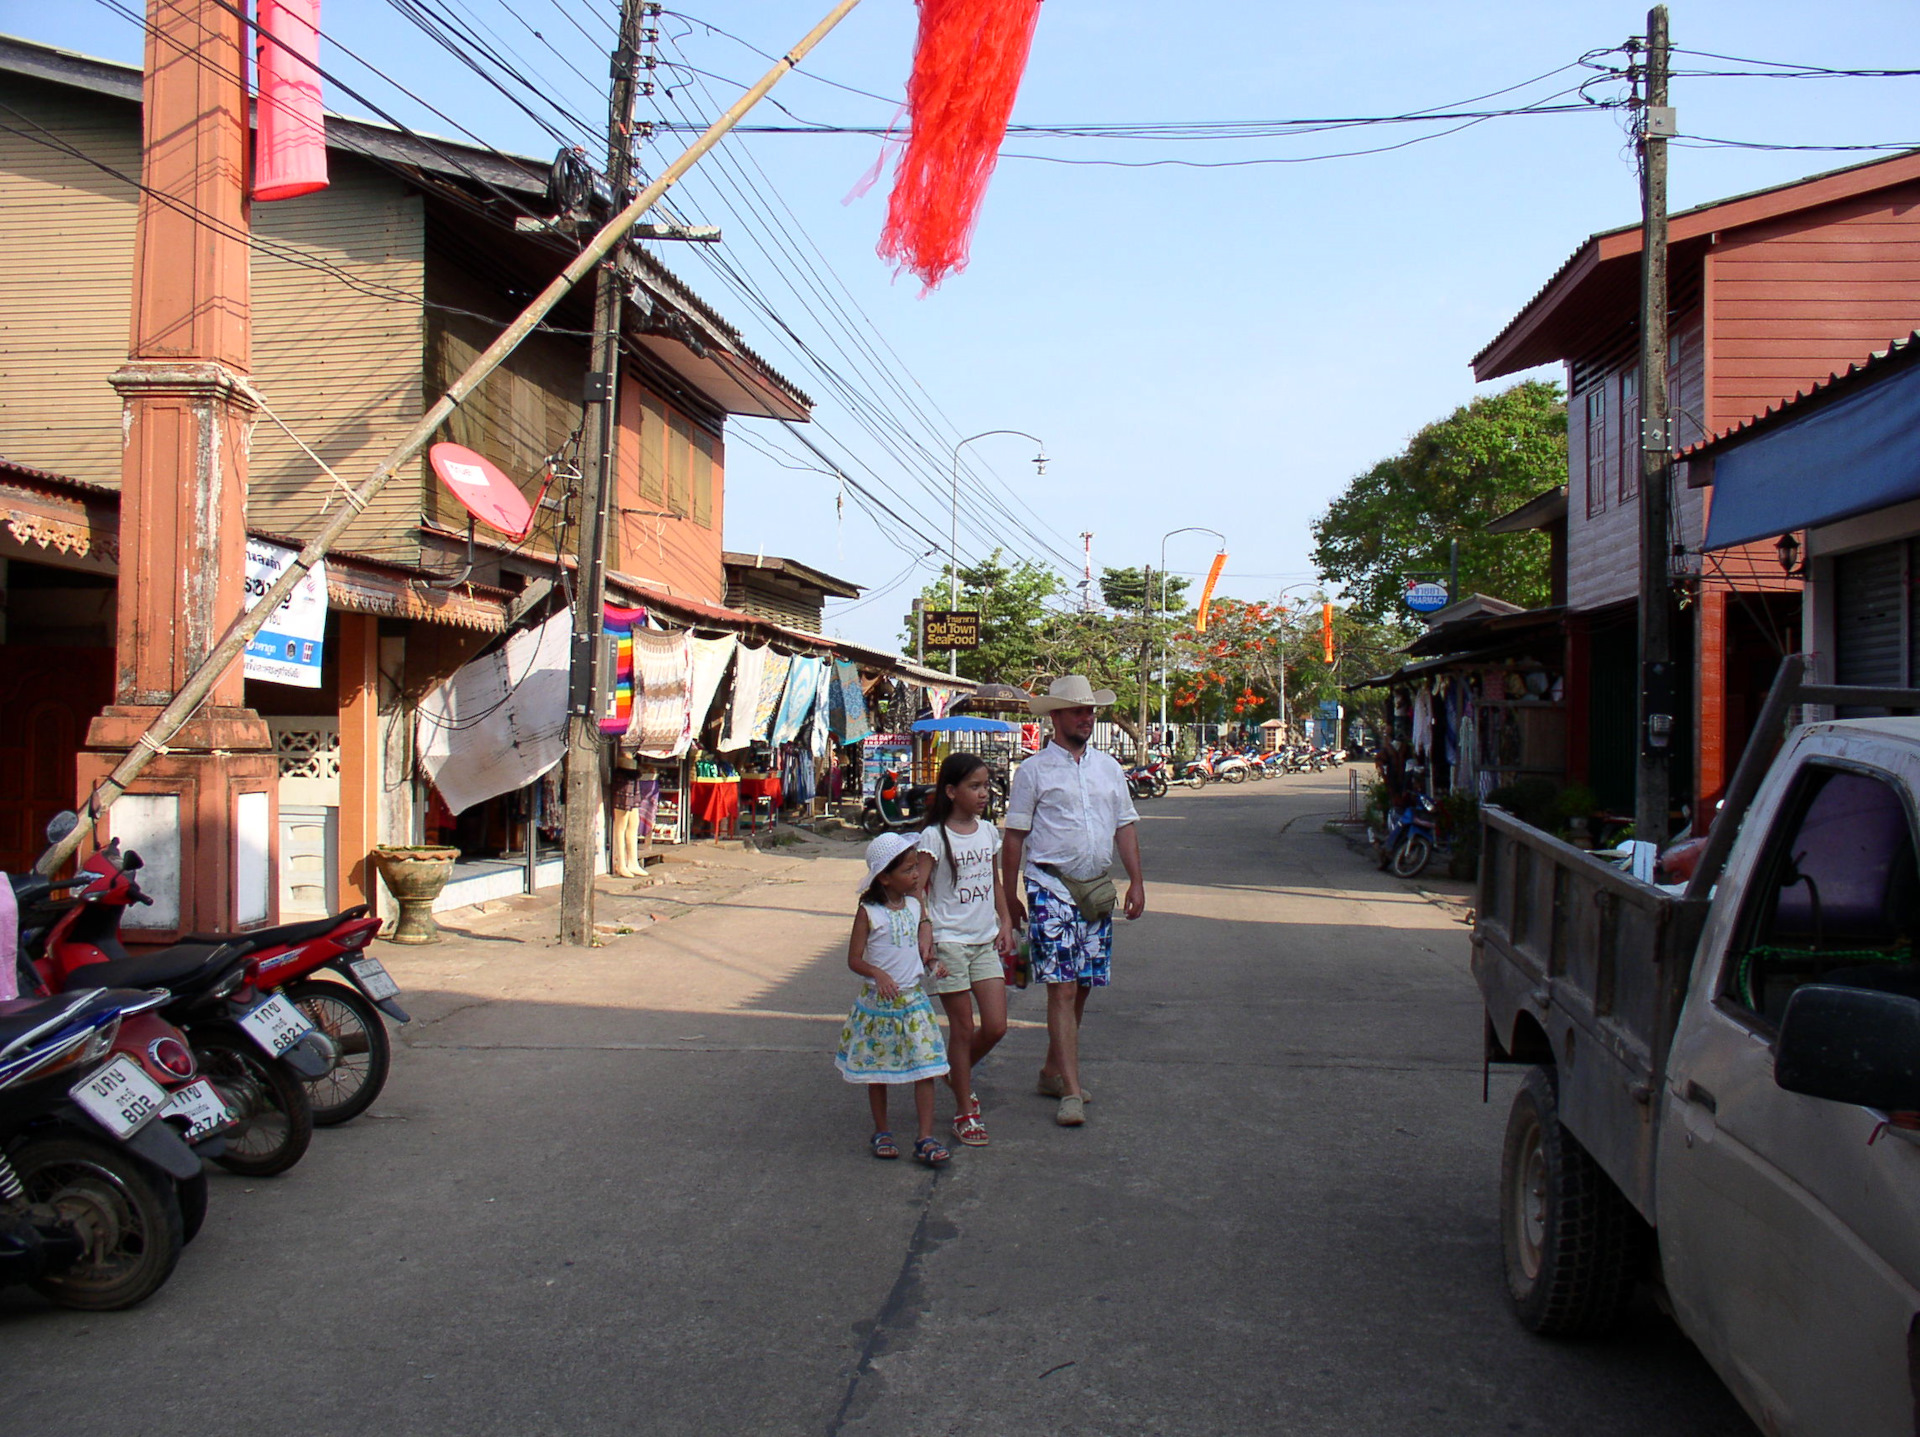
(620, 624)
(847, 713)
(710, 660)
(773, 683)
(891, 1040)
(1065, 947)
(663, 663)
(749, 672)
(803, 682)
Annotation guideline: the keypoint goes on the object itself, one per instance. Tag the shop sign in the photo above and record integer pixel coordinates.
(287, 650)
(952, 629)
(1427, 597)
(882, 751)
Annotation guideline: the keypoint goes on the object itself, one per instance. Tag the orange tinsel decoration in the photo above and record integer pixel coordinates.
(966, 71)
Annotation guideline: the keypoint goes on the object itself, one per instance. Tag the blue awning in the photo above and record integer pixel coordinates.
(962, 723)
(1848, 457)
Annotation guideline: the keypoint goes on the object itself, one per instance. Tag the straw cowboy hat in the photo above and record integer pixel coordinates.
(1070, 691)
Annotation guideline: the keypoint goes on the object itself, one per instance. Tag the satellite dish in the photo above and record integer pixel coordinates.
(489, 495)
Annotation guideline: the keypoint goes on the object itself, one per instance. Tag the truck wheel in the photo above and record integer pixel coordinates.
(1573, 1244)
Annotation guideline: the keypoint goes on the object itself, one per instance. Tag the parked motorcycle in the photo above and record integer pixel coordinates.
(254, 1048)
(897, 807)
(1409, 841)
(89, 1215)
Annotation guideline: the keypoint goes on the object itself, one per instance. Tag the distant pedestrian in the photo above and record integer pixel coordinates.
(960, 884)
(892, 1036)
(1068, 811)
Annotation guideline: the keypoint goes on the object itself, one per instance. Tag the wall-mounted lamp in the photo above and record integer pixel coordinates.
(1788, 548)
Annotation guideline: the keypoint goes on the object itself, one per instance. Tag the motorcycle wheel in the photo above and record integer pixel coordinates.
(1236, 775)
(127, 1217)
(1410, 858)
(275, 1116)
(1199, 780)
(344, 1015)
(871, 821)
(192, 1195)
(1160, 785)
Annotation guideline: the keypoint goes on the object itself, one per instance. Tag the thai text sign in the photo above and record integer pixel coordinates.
(287, 650)
(952, 629)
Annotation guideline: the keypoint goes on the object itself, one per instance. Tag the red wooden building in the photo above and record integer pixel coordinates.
(1770, 293)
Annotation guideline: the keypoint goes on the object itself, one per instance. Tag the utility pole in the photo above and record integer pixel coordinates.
(920, 632)
(1146, 655)
(584, 796)
(1657, 689)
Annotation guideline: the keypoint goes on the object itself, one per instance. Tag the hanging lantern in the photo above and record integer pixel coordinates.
(290, 142)
(967, 65)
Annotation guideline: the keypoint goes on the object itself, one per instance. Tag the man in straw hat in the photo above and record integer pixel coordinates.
(1069, 810)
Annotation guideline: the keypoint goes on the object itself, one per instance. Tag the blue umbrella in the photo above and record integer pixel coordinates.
(963, 723)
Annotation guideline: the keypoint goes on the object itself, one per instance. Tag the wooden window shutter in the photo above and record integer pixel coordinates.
(1629, 434)
(653, 451)
(1597, 449)
(679, 465)
(702, 478)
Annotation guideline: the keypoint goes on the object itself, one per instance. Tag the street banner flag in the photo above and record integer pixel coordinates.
(967, 65)
(1206, 594)
(1326, 630)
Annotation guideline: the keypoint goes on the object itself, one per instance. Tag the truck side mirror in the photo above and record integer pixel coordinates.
(1850, 1045)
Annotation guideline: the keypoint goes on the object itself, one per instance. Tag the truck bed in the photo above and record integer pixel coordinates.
(1585, 968)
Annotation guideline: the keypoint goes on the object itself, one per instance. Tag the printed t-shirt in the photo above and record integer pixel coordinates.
(963, 912)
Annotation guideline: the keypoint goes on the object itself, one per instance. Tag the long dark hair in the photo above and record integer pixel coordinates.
(955, 770)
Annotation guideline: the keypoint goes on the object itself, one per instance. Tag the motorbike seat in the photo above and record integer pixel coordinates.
(20, 1017)
(289, 935)
(181, 968)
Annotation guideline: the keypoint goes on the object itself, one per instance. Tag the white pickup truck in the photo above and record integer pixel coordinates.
(1723, 1085)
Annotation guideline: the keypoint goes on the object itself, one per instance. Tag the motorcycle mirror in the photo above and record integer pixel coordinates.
(132, 862)
(61, 824)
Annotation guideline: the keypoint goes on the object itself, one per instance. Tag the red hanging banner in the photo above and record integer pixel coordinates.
(967, 65)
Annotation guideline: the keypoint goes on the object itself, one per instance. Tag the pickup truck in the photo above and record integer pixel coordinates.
(1722, 1085)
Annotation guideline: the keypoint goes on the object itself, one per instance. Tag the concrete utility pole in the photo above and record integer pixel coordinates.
(584, 795)
(1658, 696)
(1146, 655)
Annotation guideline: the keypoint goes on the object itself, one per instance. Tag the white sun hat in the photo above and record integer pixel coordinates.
(1070, 691)
(883, 851)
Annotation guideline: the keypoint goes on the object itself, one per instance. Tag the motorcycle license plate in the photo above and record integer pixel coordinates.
(275, 1024)
(200, 1105)
(119, 1097)
(374, 978)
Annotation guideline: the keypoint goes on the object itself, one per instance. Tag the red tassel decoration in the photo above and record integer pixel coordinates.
(966, 71)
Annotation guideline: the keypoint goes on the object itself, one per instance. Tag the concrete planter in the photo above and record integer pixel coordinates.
(415, 876)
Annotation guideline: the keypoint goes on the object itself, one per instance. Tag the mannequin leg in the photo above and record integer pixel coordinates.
(626, 842)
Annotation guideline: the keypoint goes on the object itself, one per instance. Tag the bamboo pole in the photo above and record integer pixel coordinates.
(200, 682)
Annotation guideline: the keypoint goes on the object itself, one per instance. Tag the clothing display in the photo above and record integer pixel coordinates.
(501, 721)
(773, 685)
(619, 625)
(663, 667)
(749, 671)
(847, 713)
(709, 666)
(803, 679)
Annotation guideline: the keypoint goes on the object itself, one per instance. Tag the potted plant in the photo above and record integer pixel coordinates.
(415, 876)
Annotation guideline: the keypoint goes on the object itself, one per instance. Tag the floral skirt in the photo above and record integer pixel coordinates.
(891, 1040)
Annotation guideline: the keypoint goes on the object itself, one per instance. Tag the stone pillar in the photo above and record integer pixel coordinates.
(204, 814)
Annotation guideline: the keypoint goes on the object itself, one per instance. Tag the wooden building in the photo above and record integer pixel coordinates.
(784, 590)
(366, 298)
(1770, 293)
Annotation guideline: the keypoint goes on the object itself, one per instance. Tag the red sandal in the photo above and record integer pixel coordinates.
(969, 1130)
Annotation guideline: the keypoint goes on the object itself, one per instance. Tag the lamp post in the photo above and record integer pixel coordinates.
(1147, 602)
(953, 533)
(1281, 599)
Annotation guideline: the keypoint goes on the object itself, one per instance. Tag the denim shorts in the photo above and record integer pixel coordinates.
(1064, 947)
(967, 964)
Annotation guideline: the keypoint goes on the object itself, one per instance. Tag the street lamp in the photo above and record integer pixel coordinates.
(1281, 598)
(1190, 529)
(953, 533)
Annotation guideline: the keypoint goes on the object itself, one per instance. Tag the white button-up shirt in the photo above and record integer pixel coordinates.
(1070, 808)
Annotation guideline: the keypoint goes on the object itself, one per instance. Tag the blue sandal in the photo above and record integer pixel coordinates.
(883, 1145)
(929, 1152)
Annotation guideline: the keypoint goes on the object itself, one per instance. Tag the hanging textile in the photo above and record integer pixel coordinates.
(501, 721)
(803, 681)
(938, 700)
(663, 664)
(710, 660)
(620, 624)
(749, 669)
(773, 684)
(847, 714)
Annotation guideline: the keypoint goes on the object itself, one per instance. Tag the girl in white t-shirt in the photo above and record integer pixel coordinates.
(960, 876)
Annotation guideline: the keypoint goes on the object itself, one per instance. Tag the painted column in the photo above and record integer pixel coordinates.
(1710, 728)
(359, 755)
(205, 813)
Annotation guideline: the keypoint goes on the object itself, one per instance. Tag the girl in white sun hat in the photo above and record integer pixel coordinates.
(891, 1035)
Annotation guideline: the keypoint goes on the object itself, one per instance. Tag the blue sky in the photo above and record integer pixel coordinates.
(1218, 346)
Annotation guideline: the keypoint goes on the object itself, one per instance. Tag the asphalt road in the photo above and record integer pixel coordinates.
(627, 1192)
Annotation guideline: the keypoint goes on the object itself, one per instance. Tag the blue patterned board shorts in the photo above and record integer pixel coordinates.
(1063, 946)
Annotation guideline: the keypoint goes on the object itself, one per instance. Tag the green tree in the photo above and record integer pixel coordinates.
(1010, 597)
(1120, 591)
(1455, 475)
